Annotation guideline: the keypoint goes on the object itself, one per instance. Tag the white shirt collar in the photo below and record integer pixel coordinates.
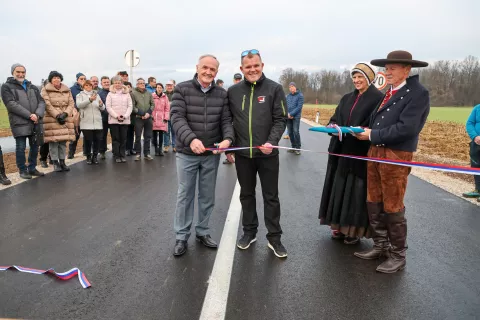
(400, 86)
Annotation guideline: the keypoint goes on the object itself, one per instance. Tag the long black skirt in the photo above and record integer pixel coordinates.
(344, 199)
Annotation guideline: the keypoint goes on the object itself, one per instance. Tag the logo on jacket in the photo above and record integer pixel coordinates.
(261, 99)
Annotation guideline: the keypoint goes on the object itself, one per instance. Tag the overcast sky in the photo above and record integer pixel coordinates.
(93, 36)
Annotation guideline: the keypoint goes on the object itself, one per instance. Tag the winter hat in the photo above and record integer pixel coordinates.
(54, 74)
(292, 84)
(16, 65)
(367, 70)
(79, 75)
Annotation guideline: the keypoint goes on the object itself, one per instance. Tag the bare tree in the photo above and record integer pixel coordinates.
(451, 83)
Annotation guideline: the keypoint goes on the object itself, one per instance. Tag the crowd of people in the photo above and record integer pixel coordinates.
(55, 115)
(201, 120)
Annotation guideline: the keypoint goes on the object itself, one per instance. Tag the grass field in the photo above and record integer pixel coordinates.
(454, 114)
(3, 116)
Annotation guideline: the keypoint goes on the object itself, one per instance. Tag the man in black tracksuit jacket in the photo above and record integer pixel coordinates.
(259, 114)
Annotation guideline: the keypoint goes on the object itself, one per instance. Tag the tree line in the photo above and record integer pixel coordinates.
(451, 83)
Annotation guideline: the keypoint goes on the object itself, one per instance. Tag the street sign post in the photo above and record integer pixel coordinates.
(132, 59)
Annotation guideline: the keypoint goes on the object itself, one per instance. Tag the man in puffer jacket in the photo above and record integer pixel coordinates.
(200, 119)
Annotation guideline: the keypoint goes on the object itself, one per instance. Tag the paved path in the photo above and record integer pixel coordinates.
(114, 222)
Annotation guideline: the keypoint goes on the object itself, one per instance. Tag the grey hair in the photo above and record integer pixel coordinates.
(117, 78)
(209, 56)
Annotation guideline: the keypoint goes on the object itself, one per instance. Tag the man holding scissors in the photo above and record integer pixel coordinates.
(200, 119)
(259, 112)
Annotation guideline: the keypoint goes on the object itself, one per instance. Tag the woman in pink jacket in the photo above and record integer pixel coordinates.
(119, 107)
(160, 116)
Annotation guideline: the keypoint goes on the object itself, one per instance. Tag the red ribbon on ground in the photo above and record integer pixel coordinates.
(60, 275)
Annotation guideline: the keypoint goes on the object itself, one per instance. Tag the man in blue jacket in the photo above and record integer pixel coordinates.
(473, 130)
(103, 93)
(76, 89)
(294, 105)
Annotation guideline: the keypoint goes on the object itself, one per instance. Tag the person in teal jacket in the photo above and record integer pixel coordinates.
(473, 130)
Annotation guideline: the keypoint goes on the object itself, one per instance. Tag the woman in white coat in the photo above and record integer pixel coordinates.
(90, 106)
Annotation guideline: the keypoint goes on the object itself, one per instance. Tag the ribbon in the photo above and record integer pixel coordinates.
(60, 275)
(412, 164)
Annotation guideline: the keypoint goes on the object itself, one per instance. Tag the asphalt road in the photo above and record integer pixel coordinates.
(114, 222)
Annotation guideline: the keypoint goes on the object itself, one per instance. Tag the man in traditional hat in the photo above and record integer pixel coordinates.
(394, 129)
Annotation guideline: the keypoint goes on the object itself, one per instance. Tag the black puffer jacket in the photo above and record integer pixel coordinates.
(199, 115)
(259, 113)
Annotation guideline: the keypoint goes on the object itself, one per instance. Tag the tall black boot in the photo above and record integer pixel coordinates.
(397, 233)
(63, 165)
(379, 229)
(3, 177)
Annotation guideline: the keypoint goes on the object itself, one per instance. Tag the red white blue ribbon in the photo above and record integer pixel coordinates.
(60, 275)
(412, 164)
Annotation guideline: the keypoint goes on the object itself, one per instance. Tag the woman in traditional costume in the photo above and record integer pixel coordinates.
(343, 204)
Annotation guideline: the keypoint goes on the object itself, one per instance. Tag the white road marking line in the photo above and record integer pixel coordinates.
(215, 303)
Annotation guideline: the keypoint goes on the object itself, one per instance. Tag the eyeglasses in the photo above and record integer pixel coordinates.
(252, 51)
(140, 82)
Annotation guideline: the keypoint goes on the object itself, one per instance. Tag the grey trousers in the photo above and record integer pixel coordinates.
(188, 168)
(58, 150)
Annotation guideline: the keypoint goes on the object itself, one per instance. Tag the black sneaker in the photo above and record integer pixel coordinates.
(25, 175)
(277, 248)
(43, 163)
(351, 240)
(36, 173)
(245, 241)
